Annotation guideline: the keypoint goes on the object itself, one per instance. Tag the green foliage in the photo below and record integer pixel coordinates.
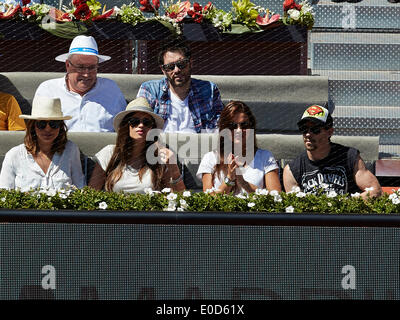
(261, 201)
(94, 6)
(245, 12)
(219, 18)
(130, 14)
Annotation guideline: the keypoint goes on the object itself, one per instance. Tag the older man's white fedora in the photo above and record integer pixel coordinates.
(44, 108)
(138, 105)
(83, 45)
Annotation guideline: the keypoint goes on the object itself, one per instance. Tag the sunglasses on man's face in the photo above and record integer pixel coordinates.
(243, 125)
(134, 122)
(314, 129)
(181, 64)
(54, 124)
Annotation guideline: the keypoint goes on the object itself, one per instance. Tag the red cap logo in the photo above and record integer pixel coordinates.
(314, 110)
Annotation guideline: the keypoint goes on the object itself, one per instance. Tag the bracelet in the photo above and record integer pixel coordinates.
(172, 181)
(229, 182)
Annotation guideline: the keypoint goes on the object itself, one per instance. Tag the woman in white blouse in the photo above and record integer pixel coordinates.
(46, 159)
(238, 165)
(126, 166)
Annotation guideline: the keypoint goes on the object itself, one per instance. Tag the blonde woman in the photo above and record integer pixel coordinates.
(46, 159)
(124, 166)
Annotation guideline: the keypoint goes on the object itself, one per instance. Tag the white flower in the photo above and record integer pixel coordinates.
(355, 195)
(261, 192)
(172, 196)
(278, 198)
(183, 204)
(396, 201)
(50, 192)
(242, 196)
(63, 196)
(274, 193)
(289, 209)
(3, 199)
(166, 190)
(186, 194)
(103, 205)
(393, 196)
(300, 195)
(294, 14)
(148, 191)
(251, 204)
(210, 190)
(324, 185)
(369, 189)
(171, 206)
(295, 189)
(331, 194)
(329, 204)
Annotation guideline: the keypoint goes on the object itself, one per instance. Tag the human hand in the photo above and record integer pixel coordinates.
(167, 156)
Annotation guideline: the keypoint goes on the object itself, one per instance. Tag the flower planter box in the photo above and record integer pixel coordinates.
(278, 50)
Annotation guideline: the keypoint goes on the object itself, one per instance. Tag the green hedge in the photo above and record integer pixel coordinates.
(259, 202)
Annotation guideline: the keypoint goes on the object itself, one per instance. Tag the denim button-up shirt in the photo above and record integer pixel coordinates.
(204, 100)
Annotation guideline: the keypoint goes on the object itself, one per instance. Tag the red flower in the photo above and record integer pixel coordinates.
(10, 12)
(104, 16)
(156, 4)
(173, 15)
(77, 3)
(267, 19)
(197, 7)
(197, 17)
(65, 16)
(28, 12)
(147, 7)
(83, 12)
(208, 6)
(291, 4)
(25, 2)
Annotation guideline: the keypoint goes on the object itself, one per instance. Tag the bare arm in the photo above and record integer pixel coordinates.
(272, 181)
(365, 179)
(98, 178)
(289, 182)
(172, 178)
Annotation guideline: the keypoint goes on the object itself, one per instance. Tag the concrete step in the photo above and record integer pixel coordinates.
(363, 15)
(355, 51)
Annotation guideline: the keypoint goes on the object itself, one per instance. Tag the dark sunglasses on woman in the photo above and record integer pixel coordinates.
(243, 125)
(134, 122)
(54, 124)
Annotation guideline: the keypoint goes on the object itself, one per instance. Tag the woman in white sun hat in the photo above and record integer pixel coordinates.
(129, 165)
(46, 159)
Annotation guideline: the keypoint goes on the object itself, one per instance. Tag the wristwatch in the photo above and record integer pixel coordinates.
(229, 182)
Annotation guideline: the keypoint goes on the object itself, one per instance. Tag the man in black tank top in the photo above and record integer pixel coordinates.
(326, 165)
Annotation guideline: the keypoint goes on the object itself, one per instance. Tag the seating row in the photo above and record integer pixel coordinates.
(190, 148)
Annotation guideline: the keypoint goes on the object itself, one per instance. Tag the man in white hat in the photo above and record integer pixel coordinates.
(91, 101)
(327, 165)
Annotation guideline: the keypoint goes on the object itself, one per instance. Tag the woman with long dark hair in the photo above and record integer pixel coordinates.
(46, 159)
(238, 165)
(126, 166)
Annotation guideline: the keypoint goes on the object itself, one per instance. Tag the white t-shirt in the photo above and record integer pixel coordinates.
(92, 112)
(20, 170)
(180, 118)
(254, 173)
(129, 181)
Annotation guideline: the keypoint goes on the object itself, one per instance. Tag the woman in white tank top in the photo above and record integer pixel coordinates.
(130, 165)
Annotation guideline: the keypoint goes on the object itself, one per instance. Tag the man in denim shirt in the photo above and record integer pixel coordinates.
(185, 104)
